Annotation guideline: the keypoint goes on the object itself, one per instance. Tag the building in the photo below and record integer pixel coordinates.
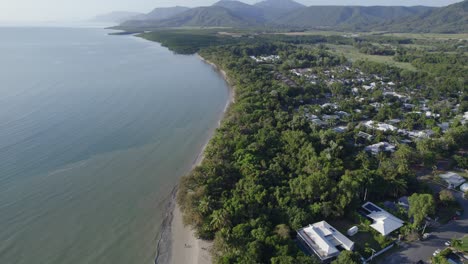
(383, 222)
(382, 146)
(380, 126)
(453, 180)
(340, 129)
(464, 187)
(324, 241)
(365, 135)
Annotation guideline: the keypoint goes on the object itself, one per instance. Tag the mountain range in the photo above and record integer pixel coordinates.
(292, 15)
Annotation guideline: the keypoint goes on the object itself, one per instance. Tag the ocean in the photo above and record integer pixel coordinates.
(95, 132)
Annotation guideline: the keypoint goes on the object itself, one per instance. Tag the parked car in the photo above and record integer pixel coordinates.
(437, 252)
(448, 243)
(426, 235)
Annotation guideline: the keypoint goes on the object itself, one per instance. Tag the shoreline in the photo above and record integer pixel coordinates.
(177, 243)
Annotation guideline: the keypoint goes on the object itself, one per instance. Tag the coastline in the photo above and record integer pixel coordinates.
(177, 242)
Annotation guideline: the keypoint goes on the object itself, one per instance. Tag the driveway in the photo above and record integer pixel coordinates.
(423, 250)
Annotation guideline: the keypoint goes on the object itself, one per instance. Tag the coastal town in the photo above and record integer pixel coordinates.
(382, 114)
(234, 132)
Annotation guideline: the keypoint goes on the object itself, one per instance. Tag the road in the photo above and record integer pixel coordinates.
(423, 250)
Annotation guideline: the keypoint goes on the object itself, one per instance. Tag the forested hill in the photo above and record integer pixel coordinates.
(212, 16)
(349, 17)
(243, 10)
(287, 14)
(450, 19)
(275, 8)
(165, 12)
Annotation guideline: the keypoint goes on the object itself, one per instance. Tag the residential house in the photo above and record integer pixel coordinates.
(324, 241)
(383, 222)
(381, 146)
(452, 179)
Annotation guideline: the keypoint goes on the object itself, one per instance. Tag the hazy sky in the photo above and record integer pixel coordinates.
(50, 10)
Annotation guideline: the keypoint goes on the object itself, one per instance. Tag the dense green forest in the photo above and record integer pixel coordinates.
(269, 171)
(289, 15)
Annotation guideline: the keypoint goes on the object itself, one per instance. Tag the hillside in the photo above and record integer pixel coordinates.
(449, 19)
(165, 12)
(348, 17)
(273, 9)
(211, 16)
(241, 9)
(287, 14)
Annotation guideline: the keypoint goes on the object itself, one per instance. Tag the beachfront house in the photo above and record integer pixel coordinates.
(324, 241)
(383, 222)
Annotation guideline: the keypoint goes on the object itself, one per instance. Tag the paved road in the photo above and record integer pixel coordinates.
(423, 250)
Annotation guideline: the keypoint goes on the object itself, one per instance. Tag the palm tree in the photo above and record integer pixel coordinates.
(204, 205)
(456, 243)
(219, 219)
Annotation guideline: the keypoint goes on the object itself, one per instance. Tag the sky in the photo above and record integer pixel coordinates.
(72, 10)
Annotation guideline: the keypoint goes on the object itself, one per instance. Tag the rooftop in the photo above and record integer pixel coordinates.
(382, 146)
(453, 179)
(384, 222)
(324, 240)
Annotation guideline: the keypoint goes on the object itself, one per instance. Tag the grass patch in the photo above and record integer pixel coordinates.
(364, 240)
(464, 245)
(463, 174)
(447, 212)
(353, 54)
(428, 35)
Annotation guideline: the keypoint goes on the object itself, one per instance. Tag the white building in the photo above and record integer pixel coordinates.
(324, 241)
(464, 187)
(380, 126)
(453, 180)
(270, 58)
(465, 118)
(384, 222)
(382, 146)
(340, 129)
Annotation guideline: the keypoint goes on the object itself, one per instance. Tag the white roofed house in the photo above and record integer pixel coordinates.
(324, 241)
(453, 180)
(465, 118)
(379, 126)
(379, 147)
(383, 222)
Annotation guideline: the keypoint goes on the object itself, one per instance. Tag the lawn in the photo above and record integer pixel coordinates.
(428, 35)
(446, 213)
(404, 35)
(463, 174)
(363, 239)
(464, 246)
(317, 33)
(353, 54)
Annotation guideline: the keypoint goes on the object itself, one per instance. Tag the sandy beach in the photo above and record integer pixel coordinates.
(178, 244)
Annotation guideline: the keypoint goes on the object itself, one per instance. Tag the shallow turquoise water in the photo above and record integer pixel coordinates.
(95, 130)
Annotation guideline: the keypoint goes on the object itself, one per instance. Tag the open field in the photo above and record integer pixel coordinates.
(406, 35)
(428, 35)
(353, 54)
(319, 33)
